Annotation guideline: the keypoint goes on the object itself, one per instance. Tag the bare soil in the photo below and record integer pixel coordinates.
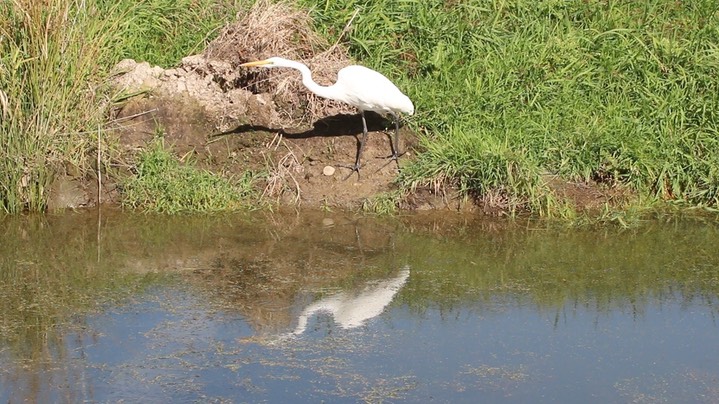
(232, 132)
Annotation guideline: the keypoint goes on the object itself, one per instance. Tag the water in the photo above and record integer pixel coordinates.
(341, 308)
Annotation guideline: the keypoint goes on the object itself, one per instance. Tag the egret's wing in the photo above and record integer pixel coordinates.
(370, 90)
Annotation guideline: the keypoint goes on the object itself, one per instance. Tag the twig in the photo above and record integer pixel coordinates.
(345, 29)
(4, 104)
(277, 179)
(276, 139)
(125, 118)
(99, 192)
(99, 172)
(292, 163)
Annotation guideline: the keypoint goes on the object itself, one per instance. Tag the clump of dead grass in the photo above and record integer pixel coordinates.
(281, 177)
(279, 29)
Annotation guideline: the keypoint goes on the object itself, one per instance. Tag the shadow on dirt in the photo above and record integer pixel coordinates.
(336, 125)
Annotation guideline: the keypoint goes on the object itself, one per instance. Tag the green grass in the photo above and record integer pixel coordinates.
(624, 93)
(164, 184)
(480, 167)
(162, 32)
(383, 203)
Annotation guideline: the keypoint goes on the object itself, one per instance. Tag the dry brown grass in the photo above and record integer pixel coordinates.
(282, 177)
(278, 29)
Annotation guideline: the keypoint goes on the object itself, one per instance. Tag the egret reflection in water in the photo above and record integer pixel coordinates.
(353, 309)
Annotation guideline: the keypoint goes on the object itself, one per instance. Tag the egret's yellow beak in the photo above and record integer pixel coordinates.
(256, 63)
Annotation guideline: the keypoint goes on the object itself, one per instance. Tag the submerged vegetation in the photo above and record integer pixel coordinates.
(55, 269)
(623, 95)
(43, 291)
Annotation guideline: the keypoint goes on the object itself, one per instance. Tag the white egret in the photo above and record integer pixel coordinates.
(363, 88)
(352, 310)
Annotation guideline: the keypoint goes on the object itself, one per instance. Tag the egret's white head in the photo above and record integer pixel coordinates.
(408, 106)
(410, 110)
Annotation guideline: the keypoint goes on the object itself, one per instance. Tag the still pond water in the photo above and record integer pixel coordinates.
(338, 308)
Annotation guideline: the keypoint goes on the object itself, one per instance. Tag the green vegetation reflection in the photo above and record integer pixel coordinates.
(53, 271)
(601, 270)
(56, 269)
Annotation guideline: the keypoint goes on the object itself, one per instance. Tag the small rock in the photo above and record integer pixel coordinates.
(328, 170)
(67, 192)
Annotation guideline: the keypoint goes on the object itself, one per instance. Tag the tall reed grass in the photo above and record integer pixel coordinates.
(54, 56)
(47, 65)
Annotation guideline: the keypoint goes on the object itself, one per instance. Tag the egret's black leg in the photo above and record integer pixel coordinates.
(363, 140)
(394, 144)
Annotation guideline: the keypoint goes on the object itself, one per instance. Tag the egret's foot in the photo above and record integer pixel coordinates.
(392, 157)
(354, 169)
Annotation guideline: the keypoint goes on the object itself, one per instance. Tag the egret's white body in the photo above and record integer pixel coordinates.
(352, 310)
(363, 88)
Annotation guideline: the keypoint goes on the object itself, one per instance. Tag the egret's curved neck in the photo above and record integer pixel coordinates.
(330, 92)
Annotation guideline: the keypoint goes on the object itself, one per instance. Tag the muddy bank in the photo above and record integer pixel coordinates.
(232, 130)
(231, 120)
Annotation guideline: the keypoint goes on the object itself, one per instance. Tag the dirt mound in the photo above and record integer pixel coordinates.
(278, 29)
(236, 119)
